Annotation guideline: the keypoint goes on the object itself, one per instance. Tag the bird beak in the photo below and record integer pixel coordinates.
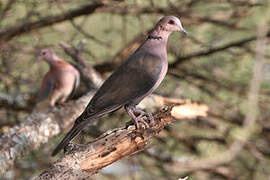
(184, 31)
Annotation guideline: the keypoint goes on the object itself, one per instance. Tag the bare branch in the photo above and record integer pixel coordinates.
(82, 161)
(16, 102)
(121, 55)
(249, 126)
(6, 9)
(36, 130)
(183, 12)
(85, 160)
(16, 30)
(213, 50)
(89, 74)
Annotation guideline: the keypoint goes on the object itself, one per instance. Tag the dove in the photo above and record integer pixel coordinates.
(60, 82)
(131, 82)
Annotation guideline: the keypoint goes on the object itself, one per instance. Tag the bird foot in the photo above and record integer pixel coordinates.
(151, 118)
(63, 105)
(140, 119)
(53, 109)
(71, 146)
(145, 114)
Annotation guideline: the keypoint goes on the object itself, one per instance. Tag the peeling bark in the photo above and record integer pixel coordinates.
(82, 161)
(38, 128)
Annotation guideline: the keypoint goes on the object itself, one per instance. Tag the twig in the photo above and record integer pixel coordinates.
(6, 9)
(213, 50)
(249, 126)
(16, 30)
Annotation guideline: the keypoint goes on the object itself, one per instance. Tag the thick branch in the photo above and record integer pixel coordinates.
(82, 161)
(183, 12)
(37, 129)
(17, 103)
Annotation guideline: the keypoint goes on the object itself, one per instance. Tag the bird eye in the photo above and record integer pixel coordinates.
(171, 22)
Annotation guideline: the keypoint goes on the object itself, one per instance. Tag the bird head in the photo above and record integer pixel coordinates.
(46, 54)
(170, 24)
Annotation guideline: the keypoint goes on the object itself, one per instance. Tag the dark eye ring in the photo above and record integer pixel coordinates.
(171, 22)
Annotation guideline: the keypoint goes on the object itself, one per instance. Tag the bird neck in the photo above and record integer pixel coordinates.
(154, 37)
(159, 33)
(54, 61)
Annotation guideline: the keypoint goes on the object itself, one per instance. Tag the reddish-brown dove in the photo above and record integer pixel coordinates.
(135, 79)
(61, 80)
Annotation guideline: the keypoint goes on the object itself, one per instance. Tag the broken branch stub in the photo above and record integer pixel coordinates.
(82, 161)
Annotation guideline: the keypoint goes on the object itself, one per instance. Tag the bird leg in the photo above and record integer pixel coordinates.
(143, 113)
(64, 104)
(53, 109)
(131, 109)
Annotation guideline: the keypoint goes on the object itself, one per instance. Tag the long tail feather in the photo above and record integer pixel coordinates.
(70, 135)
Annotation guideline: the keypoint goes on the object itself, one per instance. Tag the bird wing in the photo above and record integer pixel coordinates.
(76, 84)
(47, 87)
(131, 80)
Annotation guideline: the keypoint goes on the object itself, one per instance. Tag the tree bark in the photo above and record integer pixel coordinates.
(82, 161)
(38, 128)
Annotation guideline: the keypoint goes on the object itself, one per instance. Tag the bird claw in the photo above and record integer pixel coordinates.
(140, 119)
(151, 118)
(72, 146)
(53, 109)
(148, 116)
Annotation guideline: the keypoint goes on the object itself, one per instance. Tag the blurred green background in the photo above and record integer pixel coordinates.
(212, 65)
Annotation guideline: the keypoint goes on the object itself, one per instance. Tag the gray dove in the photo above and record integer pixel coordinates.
(135, 79)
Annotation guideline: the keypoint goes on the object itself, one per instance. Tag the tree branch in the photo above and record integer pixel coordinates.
(16, 30)
(213, 50)
(37, 129)
(6, 9)
(82, 161)
(16, 102)
(88, 73)
(249, 128)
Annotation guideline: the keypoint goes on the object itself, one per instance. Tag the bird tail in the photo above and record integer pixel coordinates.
(77, 127)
